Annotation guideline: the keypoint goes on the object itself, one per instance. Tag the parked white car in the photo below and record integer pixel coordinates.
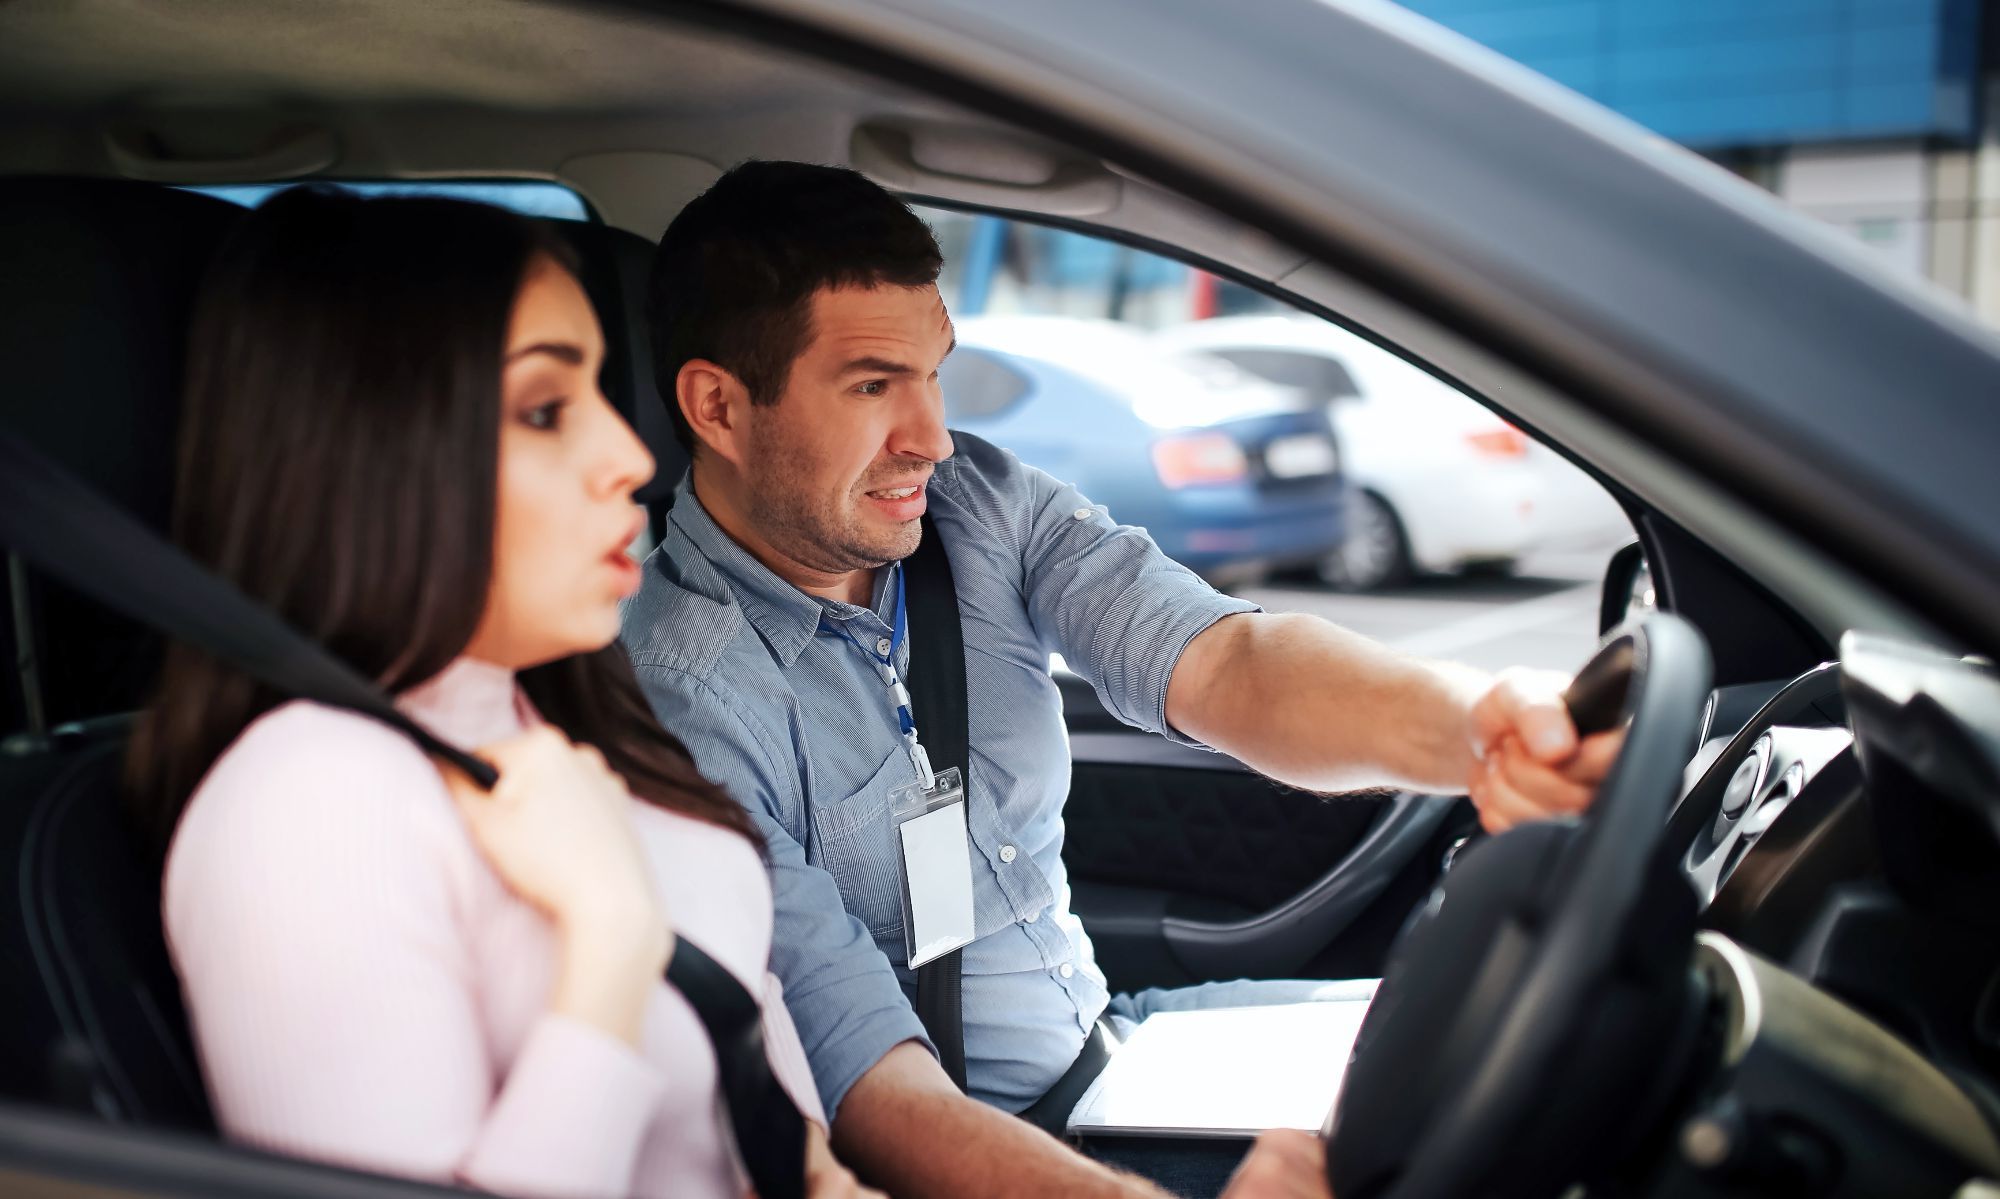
(1442, 483)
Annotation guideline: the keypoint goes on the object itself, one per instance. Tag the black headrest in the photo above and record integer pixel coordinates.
(615, 267)
(97, 281)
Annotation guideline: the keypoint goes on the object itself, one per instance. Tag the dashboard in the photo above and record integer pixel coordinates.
(1769, 817)
(1845, 825)
(1781, 764)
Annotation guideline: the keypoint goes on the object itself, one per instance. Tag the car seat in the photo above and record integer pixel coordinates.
(99, 278)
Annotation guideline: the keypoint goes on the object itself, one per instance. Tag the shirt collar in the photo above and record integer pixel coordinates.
(784, 616)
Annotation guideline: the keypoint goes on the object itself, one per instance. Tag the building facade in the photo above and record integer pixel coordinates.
(1879, 117)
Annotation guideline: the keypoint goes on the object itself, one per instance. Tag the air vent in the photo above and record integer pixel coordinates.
(1777, 799)
(1748, 777)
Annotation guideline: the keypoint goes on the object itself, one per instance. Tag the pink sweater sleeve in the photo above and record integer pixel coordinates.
(316, 901)
(787, 1053)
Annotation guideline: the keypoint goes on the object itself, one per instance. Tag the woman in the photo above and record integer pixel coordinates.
(394, 437)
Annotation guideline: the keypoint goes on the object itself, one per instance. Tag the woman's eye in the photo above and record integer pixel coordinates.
(544, 416)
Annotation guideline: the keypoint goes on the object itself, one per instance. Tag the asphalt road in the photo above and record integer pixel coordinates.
(1544, 615)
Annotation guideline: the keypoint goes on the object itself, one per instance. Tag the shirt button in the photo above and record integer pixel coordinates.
(1031, 917)
(1007, 853)
(1065, 969)
(882, 645)
(1082, 514)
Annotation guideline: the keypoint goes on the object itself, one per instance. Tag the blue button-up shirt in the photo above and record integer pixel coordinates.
(778, 707)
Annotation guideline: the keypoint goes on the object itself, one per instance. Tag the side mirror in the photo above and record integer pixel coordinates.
(1628, 589)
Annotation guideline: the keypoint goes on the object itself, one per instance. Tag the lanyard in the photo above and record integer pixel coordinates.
(899, 696)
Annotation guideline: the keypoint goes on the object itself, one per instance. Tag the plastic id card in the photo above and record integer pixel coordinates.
(934, 854)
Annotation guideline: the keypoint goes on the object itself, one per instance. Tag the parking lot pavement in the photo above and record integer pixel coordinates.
(1544, 615)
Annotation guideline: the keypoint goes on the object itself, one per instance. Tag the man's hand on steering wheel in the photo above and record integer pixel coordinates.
(1528, 762)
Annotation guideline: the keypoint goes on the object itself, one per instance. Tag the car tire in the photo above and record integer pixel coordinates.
(1375, 553)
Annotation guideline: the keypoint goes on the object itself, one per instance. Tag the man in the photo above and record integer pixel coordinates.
(797, 335)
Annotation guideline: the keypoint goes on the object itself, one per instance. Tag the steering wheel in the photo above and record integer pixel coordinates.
(1535, 1011)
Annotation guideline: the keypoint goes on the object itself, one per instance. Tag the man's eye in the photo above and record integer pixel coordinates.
(874, 387)
(544, 416)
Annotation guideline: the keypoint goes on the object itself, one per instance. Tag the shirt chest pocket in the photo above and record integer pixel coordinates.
(856, 849)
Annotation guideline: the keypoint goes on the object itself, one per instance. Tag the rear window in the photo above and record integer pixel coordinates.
(979, 386)
(527, 197)
(1320, 377)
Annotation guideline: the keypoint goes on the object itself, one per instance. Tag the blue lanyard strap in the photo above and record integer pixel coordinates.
(899, 696)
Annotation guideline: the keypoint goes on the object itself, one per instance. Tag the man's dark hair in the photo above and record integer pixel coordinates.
(736, 272)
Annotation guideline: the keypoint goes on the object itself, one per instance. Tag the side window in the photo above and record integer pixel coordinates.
(1283, 457)
(979, 385)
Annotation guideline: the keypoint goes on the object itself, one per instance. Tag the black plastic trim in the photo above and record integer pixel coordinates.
(41, 1151)
(1276, 943)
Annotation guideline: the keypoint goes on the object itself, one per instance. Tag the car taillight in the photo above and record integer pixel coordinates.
(1196, 458)
(1504, 441)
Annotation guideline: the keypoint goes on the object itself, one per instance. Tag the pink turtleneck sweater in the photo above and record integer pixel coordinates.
(366, 991)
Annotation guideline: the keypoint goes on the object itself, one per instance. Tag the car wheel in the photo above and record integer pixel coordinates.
(1374, 553)
(1489, 568)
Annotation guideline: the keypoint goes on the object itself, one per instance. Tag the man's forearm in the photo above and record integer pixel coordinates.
(1311, 704)
(905, 1128)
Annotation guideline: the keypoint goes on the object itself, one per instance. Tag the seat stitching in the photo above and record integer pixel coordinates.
(31, 842)
(107, 1062)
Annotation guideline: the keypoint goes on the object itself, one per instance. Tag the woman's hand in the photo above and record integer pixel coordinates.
(826, 1178)
(557, 828)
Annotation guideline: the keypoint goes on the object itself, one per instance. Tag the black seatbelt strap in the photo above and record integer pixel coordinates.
(59, 525)
(938, 701)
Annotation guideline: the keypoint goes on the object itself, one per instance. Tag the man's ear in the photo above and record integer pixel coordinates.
(715, 404)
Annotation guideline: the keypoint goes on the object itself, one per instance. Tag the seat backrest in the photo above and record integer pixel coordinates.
(98, 280)
(93, 1014)
(616, 265)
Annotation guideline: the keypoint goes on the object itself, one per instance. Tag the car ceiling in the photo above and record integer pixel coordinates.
(636, 115)
(504, 54)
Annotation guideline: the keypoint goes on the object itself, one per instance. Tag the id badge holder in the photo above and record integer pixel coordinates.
(934, 862)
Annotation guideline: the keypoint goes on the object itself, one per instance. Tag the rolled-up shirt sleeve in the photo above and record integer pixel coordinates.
(842, 994)
(1099, 593)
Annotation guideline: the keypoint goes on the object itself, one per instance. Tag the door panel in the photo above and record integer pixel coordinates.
(1185, 866)
(1230, 842)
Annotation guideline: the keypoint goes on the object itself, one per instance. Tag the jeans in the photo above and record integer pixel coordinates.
(1197, 1168)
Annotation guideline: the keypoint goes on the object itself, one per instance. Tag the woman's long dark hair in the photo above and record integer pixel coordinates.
(339, 462)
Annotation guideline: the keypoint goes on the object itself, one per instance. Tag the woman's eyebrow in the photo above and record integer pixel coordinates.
(562, 351)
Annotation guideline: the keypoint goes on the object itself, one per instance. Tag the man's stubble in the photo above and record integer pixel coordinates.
(811, 524)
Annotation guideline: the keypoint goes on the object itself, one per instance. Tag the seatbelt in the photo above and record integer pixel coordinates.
(58, 524)
(938, 700)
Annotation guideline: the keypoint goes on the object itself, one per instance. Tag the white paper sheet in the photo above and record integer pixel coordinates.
(1228, 1072)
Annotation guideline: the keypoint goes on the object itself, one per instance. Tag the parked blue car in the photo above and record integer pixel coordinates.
(1231, 475)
